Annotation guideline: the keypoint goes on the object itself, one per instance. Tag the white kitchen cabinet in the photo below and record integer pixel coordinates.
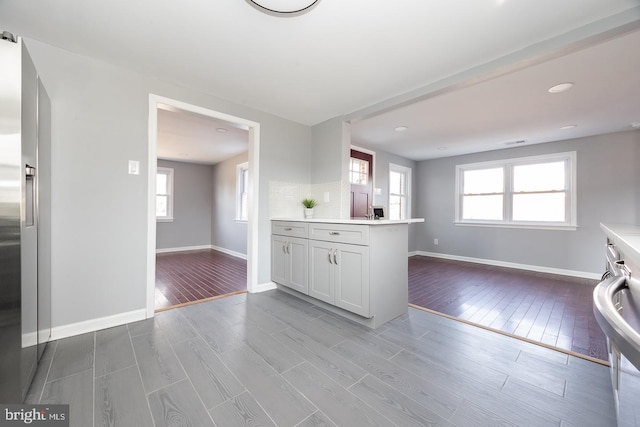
(289, 258)
(339, 275)
(358, 270)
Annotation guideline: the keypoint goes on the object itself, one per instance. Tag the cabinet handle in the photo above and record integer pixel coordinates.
(289, 248)
(335, 259)
(334, 233)
(330, 262)
(284, 248)
(288, 229)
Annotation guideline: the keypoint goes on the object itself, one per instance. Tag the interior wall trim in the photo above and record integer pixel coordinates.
(229, 252)
(97, 324)
(183, 249)
(263, 287)
(537, 268)
(201, 247)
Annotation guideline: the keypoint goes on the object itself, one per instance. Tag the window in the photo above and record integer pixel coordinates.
(399, 190)
(358, 171)
(242, 191)
(164, 194)
(535, 191)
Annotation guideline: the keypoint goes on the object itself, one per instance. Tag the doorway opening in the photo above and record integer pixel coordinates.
(361, 180)
(252, 130)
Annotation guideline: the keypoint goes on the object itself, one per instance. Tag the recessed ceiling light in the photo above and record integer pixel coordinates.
(222, 130)
(635, 125)
(442, 148)
(566, 127)
(561, 87)
(401, 128)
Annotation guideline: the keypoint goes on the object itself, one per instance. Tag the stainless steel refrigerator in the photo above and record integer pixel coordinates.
(25, 202)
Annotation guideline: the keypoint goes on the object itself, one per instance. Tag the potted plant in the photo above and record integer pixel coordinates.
(308, 204)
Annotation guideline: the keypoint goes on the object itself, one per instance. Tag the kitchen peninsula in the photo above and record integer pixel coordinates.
(355, 268)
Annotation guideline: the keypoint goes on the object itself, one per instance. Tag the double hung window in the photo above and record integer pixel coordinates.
(399, 190)
(242, 191)
(164, 194)
(535, 191)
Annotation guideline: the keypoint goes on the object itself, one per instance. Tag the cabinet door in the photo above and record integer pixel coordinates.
(321, 271)
(351, 278)
(297, 273)
(279, 259)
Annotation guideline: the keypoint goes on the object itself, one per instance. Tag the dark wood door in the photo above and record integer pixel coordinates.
(361, 178)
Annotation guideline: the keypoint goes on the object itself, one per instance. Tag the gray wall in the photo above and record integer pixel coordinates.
(607, 185)
(327, 151)
(192, 207)
(226, 232)
(99, 212)
(329, 158)
(381, 178)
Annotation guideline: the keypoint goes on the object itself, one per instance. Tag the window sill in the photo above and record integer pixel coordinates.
(164, 219)
(562, 227)
(241, 221)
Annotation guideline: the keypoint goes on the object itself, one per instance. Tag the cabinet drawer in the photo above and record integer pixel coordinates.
(290, 228)
(340, 233)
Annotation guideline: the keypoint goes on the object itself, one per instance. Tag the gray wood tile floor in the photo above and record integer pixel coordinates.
(270, 359)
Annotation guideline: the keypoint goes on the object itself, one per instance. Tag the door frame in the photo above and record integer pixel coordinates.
(373, 169)
(253, 205)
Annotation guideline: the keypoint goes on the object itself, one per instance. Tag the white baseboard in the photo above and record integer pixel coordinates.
(228, 252)
(183, 249)
(93, 325)
(200, 247)
(413, 253)
(537, 268)
(262, 287)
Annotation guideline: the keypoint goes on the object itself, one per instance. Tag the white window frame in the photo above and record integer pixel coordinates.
(239, 187)
(406, 171)
(570, 223)
(170, 195)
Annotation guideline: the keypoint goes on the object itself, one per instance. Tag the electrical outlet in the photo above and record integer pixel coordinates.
(435, 242)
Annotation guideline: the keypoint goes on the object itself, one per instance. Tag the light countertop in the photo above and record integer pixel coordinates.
(353, 221)
(627, 238)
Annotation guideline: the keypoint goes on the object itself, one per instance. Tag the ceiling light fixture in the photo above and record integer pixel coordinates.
(222, 130)
(635, 125)
(401, 128)
(515, 142)
(284, 6)
(567, 127)
(562, 87)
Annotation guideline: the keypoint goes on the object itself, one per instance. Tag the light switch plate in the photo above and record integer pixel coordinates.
(134, 167)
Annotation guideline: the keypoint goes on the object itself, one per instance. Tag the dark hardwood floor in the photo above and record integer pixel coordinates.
(186, 277)
(551, 309)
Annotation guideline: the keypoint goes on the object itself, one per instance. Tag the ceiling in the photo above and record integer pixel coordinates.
(378, 63)
(517, 108)
(189, 137)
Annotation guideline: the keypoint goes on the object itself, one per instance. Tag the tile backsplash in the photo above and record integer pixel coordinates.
(285, 199)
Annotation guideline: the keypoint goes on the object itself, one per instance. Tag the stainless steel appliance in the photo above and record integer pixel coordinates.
(617, 310)
(25, 313)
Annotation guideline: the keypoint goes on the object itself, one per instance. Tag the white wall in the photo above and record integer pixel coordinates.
(608, 191)
(99, 212)
(192, 207)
